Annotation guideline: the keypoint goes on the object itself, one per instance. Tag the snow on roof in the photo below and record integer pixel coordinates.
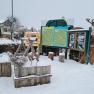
(77, 30)
(4, 41)
(4, 58)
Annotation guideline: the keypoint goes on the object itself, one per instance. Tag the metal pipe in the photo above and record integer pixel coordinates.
(12, 18)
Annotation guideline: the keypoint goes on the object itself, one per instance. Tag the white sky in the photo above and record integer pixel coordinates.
(31, 12)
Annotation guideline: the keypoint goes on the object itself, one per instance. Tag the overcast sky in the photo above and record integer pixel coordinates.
(31, 12)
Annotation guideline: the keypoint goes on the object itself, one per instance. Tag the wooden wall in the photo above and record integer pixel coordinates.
(5, 69)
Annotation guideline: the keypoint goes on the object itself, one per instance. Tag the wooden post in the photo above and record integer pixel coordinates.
(66, 50)
(87, 47)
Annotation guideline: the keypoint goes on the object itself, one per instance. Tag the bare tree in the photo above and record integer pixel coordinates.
(91, 21)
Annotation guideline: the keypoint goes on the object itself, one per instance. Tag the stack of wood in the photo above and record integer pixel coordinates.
(51, 55)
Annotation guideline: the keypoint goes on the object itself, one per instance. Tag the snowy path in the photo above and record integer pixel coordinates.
(68, 78)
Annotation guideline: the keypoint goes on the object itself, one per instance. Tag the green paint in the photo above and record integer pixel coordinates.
(47, 36)
(52, 36)
(60, 38)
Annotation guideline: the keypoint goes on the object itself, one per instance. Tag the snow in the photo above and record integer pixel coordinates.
(4, 41)
(42, 62)
(69, 77)
(50, 52)
(62, 54)
(32, 76)
(4, 57)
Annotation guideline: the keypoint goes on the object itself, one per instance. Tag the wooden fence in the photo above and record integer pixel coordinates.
(32, 81)
(39, 70)
(5, 69)
(29, 76)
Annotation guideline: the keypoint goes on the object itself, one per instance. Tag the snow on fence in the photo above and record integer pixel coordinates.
(5, 69)
(30, 76)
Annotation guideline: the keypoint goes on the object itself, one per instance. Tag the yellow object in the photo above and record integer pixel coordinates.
(33, 36)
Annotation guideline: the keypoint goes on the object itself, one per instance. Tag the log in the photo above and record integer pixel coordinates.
(51, 55)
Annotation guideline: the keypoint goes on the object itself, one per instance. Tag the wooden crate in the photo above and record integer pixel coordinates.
(32, 81)
(5, 69)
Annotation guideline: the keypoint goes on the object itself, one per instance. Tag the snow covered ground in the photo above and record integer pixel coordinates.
(67, 78)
